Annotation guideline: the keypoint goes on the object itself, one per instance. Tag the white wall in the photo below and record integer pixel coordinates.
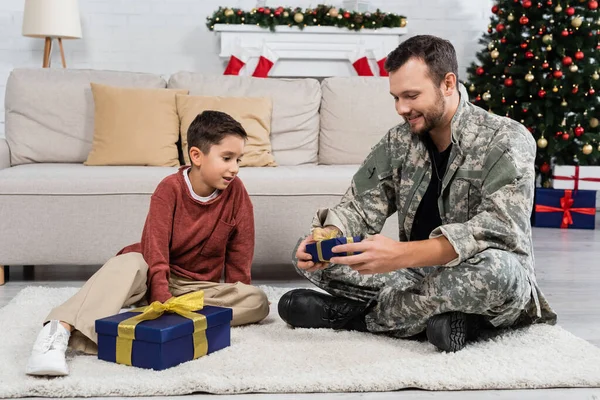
(166, 36)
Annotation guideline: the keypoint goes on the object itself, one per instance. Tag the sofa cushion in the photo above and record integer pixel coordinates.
(295, 120)
(253, 113)
(134, 126)
(355, 113)
(50, 112)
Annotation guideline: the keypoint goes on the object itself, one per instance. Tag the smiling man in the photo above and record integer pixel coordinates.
(462, 182)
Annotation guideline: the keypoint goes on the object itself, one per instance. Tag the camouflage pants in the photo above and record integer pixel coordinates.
(493, 284)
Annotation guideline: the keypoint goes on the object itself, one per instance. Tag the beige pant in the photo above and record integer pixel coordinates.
(121, 282)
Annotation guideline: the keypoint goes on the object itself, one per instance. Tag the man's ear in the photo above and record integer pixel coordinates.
(449, 84)
(196, 156)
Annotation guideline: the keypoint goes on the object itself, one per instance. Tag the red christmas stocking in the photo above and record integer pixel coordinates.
(380, 56)
(237, 60)
(266, 61)
(361, 63)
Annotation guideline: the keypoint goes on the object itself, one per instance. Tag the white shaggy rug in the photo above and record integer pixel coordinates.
(272, 357)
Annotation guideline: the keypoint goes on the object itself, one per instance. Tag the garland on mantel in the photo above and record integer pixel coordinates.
(322, 15)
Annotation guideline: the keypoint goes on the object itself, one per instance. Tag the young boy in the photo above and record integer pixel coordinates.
(200, 226)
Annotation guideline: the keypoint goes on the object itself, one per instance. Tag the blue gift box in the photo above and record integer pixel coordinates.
(166, 341)
(321, 251)
(569, 209)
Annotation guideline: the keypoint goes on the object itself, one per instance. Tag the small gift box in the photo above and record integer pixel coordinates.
(565, 208)
(576, 177)
(321, 250)
(163, 335)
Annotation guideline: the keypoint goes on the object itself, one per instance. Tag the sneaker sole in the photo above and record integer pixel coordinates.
(47, 372)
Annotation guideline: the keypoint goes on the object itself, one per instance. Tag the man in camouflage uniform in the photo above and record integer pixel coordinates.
(462, 182)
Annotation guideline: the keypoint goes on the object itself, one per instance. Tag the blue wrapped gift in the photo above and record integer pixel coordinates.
(165, 341)
(566, 209)
(321, 250)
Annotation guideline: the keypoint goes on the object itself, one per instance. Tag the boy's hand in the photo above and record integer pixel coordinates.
(304, 259)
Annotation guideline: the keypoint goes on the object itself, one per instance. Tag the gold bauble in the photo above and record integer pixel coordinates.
(529, 77)
(403, 22)
(486, 96)
(595, 76)
(547, 39)
(542, 143)
(564, 103)
(495, 54)
(587, 149)
(555, 89)
(286, 14)
(298, 17)
(576, 22)
(548, 48)
(229, 12)
(573, 68)
(491, 46)
(333, 12)
(594, 122)
(547, 184)
(510, 17)
(472, 88)
(558, 9)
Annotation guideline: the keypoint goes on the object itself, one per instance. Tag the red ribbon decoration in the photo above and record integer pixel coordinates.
(566, 204)
(576, 178)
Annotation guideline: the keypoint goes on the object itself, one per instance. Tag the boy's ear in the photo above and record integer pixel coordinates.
(196, 156)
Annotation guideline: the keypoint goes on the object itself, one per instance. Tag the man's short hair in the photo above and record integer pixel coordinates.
(437, 53)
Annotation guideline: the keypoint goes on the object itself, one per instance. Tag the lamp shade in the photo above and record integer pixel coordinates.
(52, 18)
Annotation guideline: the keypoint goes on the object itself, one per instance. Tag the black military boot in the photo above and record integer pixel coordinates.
(451, 331)
(305, 308)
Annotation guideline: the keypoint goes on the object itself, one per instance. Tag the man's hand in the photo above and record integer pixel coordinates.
(379, 254)
(304, 259)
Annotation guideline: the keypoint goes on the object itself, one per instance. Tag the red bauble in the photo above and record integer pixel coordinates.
(524, 20)
(575, 90)
(523, 46)
(500, 27)
(508, 82)
(545, 168)
(503, 41)
(565, 136)
(564, 33)
(549, 2)
(557, 134)
(490, 30)
(578, 131)
(346, 15)
(557, 74)
(525, 110)
(529, 55)
(542, 93)
(592, 91)
(240, 12)
(267, 11)
(478, 98)
(570, 11)
(567, 61)
(495, 9)
(579, 55)
(545, 65)
(526, 3)
(479, 71)
(592, 4)
(277, 13)
(261, 10)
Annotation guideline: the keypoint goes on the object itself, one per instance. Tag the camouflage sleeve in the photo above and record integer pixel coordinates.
(502, 220)
(369, 200)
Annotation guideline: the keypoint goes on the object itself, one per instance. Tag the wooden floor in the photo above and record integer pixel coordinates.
(568, 270)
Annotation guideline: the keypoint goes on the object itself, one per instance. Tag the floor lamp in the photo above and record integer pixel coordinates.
(52, 19)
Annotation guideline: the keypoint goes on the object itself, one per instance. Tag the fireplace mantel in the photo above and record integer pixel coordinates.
(315, 51)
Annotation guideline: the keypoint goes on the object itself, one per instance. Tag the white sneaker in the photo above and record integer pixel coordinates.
(48, 354)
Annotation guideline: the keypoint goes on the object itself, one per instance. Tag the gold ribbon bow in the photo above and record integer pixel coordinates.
(183, 305)
(320, 234)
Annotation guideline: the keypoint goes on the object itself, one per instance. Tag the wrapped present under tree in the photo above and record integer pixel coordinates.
(566, 209)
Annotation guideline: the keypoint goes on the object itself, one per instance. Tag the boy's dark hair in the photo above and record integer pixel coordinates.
(437, 53)
(210, 127)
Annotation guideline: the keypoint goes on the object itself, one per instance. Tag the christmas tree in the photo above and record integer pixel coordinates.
(539, 67)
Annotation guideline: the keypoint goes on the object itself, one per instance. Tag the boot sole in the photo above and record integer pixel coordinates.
(448, 332)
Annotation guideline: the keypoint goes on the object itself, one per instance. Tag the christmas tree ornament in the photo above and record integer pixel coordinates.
(579, 55)
(346, 15)
(542, 93)
(495, 9)
(575, 89)
(510, 17)
(599, 147)
(286, 14)
(503, 40)
(558, 9)
(486, 96)
(592, 91)
(508, 82)
(402, 22)
(529, 77)
(526, 3)
(334, 12)
(472, 88)
(549, 3)
(576, 22)
(491, 45)
(587, 149)
(500, 28)
(542, 142)
(545, 65)
(529, 55)
(592, 4)
(564, 33)
(524, 20)
(565, 136)
(570, 11)
(595, 76)
(578, 130)
(564, 103)
(524, 45)
(229, 12)
(545, 168)
(567, 61)
(479, 71)
(573, 68)
(548, 48)
(547, 184)
(547, 39)
(594, 122)
(495, 54)
(557, 74)
(298, 18)
(554, 89)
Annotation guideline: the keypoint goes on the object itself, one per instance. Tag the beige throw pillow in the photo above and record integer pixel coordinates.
(134, 126)
(253, 113)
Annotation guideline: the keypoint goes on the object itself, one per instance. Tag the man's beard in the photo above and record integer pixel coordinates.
(431, 118)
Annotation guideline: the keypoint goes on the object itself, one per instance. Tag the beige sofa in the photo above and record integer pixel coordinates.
(55, 210)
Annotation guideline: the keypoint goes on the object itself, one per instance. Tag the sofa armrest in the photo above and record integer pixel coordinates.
(4, 154)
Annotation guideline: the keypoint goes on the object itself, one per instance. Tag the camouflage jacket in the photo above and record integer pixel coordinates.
(487, 192)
